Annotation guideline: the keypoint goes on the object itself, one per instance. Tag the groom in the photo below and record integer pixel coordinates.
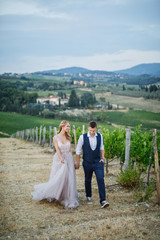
(93, 161)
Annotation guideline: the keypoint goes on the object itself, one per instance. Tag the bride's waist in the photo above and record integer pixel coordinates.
(65, 152)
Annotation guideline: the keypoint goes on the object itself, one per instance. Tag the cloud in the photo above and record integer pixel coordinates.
(108, 61)
(112, 2)
(29, 8)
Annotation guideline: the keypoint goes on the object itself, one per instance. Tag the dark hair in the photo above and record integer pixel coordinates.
(92, 124)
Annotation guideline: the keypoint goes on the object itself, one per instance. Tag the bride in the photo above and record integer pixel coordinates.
(61, 186)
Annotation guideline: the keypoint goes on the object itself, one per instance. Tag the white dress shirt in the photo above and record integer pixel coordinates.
(92, 142)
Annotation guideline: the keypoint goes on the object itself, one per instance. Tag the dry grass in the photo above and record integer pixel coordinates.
(25, 164)
(132, 102)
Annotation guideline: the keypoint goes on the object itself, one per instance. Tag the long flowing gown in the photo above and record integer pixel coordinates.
(62, 182)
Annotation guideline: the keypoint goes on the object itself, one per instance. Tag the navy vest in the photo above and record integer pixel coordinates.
(90, 156)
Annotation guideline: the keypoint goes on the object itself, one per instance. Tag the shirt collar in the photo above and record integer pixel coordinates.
(88, 135)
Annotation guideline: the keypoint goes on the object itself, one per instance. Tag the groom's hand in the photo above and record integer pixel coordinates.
(102, 160)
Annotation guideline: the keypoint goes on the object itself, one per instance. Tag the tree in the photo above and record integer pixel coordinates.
(44, 86)
(87, 100)
(102, 99)
(153, 88)
(61, 94)
(73, 100)
(109, 106)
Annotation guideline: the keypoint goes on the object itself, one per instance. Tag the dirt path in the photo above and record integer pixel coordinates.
(6, 134)
(24, 164)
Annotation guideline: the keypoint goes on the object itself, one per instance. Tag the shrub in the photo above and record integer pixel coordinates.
(129, 177)
(143, 193)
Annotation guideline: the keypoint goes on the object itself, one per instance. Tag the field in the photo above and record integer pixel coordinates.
(24, 164)
(133, 103)
(133, 118)
(45, 78)
(11, 122)
(79, 92)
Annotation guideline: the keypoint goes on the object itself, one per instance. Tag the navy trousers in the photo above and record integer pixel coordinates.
(98, 169)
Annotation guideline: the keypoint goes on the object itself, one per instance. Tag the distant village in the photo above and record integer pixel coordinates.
(56, 100)
(53, 100)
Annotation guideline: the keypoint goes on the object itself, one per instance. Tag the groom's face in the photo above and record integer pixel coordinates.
(92, 131)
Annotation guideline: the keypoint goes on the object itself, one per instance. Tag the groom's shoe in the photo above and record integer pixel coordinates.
(104, 204)
(89, 200)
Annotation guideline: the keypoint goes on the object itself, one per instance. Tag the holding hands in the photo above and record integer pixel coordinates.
(76, 165)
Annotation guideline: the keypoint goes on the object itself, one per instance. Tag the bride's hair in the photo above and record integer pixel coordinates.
(63, 124)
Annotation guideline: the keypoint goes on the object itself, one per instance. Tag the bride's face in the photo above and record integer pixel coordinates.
(66, 128)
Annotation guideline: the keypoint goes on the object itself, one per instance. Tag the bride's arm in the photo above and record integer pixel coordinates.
(57, 150)
(70, 149)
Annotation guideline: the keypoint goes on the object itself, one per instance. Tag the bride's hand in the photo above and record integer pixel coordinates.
(62, 160)
(76, 166)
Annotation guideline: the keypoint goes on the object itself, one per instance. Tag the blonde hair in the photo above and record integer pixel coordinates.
(63, 124)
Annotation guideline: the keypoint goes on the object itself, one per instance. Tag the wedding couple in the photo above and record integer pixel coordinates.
(61, 186)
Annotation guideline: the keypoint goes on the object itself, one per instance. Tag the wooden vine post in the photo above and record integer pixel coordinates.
(50, 136)
(83, 129)
(33, 130)
(44, 135)
(55, 131)
(40, 135)
(36, 134)
(127, 150)
(156, 163)
(27, 134)
(30, 135)
(74, 132)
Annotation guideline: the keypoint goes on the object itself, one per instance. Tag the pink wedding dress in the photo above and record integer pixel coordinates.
(61, 186)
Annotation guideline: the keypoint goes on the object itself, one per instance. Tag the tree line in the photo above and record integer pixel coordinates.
(12, 99)
(87, 100)
(146, 91)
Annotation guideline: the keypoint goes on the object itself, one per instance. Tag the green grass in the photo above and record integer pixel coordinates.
(79, 92)
(11, 122)
(134, 118)
(3, 136)
(132, 102)
(44, 78)
(44, 93)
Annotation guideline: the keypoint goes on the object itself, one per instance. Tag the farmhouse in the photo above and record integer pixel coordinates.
(53, 100)
(82, 83)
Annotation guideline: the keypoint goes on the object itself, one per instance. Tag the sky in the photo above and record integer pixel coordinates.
(37, 35)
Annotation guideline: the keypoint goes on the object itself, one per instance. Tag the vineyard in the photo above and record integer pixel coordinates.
(141, 151)
(133, 213)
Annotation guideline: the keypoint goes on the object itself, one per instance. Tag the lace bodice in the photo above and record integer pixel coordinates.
(63, 147)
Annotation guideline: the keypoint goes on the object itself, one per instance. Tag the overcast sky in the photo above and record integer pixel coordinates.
(95, 34)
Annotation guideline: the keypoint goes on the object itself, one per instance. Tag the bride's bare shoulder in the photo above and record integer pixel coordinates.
(55, 137)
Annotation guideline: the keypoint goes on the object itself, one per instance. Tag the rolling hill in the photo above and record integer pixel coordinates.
(152, 69)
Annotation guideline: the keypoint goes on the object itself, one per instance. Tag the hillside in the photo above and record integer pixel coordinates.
(70, 70)
(152, 69)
